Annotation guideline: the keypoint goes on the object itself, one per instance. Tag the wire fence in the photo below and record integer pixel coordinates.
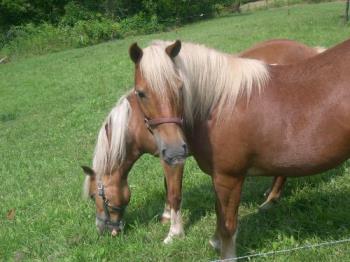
(284, 251)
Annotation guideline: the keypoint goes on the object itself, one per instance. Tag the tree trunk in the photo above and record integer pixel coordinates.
(236, 7)
(347, 10)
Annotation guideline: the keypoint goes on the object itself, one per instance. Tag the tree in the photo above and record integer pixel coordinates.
(236, 6)
(347, 11)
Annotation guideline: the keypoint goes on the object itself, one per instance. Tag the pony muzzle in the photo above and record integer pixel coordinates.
(171, 144)
(174, 155)
(104, 226)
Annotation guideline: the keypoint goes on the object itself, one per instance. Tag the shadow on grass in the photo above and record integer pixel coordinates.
(255, 187)
(198, 200)
(321, 214)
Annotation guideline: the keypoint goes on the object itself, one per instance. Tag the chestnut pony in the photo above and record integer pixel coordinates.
(244, 117)
(122, 140)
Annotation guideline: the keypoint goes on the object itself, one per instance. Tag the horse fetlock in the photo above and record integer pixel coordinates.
(228, 247)
(165, 218)
(271, 200)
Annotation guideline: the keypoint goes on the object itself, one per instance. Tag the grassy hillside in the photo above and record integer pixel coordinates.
(51, 109)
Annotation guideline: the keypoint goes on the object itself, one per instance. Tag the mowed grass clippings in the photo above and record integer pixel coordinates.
(50, 112)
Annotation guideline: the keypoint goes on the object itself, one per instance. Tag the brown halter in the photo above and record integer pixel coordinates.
(153, 123)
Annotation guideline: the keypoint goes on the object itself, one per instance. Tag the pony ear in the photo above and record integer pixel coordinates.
(174, 49)
(135, 53)
(88, 171)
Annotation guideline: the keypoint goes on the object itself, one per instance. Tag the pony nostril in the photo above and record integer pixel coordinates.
(184, 146)
(163, 152)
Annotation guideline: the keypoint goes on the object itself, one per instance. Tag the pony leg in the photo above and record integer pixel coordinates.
(165, 218)
(274, 193)
(228, 191)
(215, 241)
(174, 187)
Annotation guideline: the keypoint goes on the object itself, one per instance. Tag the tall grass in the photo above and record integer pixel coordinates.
(51, 109)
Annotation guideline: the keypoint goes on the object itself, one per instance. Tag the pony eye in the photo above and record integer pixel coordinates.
(140, 94)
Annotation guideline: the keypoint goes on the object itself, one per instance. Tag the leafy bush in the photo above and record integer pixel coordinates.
(75, 12)
(183, 11)
(31, 39)
(77, 23)
(140, 24)
(19, 12)
(93, 32)
(35, 40)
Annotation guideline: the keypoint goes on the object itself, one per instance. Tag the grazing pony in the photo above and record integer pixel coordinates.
(244, 117)
(123, 138)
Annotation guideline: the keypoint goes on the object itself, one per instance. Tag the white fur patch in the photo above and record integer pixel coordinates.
(166, 213)
(176, 227)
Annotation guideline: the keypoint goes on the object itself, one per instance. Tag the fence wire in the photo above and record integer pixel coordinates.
(283, 251)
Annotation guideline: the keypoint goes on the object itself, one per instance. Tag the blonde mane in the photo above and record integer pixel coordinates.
(110, 150)
(210, 78)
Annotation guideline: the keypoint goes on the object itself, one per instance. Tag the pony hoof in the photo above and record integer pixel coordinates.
(215, 243)
(266, 205)
(168, 240)
(171, 236)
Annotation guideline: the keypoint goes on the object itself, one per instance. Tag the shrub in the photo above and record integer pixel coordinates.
(140, 24)
(74, 13)
(184, 11)
(35, 40)
(93, 32)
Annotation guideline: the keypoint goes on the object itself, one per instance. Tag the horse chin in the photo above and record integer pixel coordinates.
(114, 230)
(175, 161)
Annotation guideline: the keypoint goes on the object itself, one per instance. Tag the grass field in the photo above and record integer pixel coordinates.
(51, 108)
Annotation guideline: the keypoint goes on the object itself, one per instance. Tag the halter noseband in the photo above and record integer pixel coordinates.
(106, 207)
(153, 123)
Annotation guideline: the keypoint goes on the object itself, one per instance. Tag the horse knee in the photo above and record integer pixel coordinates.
(228, 229)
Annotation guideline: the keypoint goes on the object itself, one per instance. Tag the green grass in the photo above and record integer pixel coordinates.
(50, 111)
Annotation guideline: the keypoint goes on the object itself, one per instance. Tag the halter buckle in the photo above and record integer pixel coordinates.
(100, 189)
(147, 124)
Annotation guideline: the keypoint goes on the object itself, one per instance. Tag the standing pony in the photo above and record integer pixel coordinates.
(123, 138)
(244, 117)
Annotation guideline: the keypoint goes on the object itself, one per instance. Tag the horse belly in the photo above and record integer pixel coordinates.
(308, 153)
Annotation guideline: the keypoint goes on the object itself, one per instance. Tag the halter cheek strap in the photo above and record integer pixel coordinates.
(106, 207)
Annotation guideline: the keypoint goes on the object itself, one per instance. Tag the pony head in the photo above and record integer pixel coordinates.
(158, 89)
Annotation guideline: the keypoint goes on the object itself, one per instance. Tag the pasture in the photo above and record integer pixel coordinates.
(51, 110)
